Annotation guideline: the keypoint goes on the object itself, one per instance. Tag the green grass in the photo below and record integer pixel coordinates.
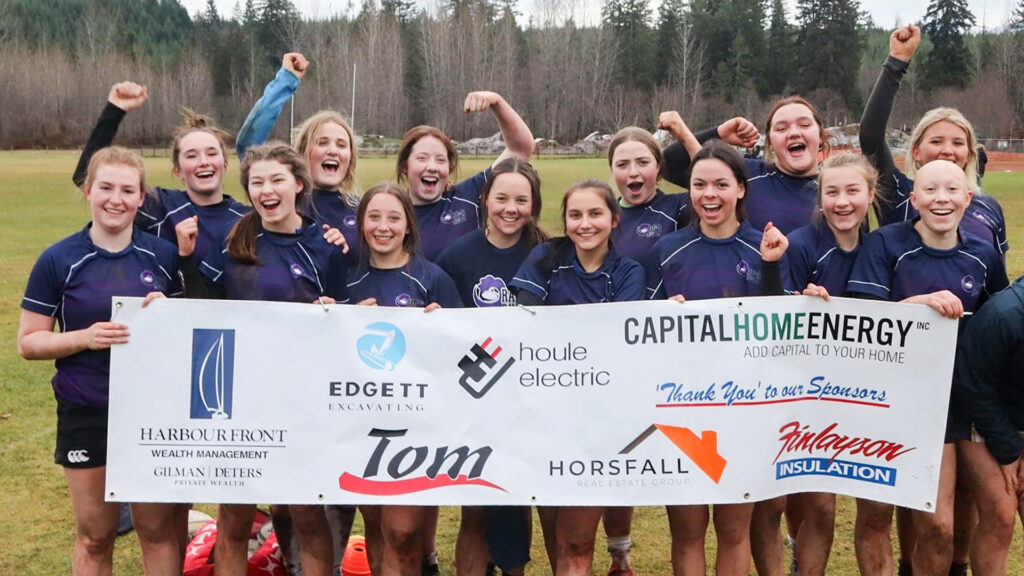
(41, 206)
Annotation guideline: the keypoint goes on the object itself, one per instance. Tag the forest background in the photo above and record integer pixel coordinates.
(567, 75)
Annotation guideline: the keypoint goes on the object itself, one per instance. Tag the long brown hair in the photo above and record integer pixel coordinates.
(243, 236)
(413, 136)
(562, 246)
(532, 230)
(412, 237)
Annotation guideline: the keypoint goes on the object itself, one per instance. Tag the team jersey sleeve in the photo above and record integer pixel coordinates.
(1000, 221)
(264, 113)
(799, 261)
(677, 159)
(987, 346)
(444, 291)
(43, 292)
(682, 214)
(655, 289)
(102, 136)
(173, 267)
(872, 271)
(632, 284)
(529, 278)
(197, 284)
(469, 189)
(335, 283)
(995, 276)
(873, 123)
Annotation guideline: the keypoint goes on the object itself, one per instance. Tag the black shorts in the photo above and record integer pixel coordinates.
(81, 435)
(958, 423)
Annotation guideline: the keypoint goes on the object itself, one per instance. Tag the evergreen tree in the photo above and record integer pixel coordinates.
(828, 48)
(671, 21)
(779, 63)
(629, 22)
(719, 26)
(949, 62)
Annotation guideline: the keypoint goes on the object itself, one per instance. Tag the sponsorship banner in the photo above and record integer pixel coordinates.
(642, 403)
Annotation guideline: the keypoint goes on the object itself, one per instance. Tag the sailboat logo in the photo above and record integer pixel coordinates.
(382, 346)
(213, 367)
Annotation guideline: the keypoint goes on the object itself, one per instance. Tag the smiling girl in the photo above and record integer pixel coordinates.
(427, 162)
(275, 254)
(941, 134)
(581, 267)
(197, 158)
(72, 284)
(721, 255)
(929, 260)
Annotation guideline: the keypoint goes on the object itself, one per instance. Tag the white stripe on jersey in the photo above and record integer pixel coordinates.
(313, 266)
(54, 306)
(905, 254)
(870, 284)
(740, 240)
(361, 278)
(524, 280)
(678, 250)
(414, 279)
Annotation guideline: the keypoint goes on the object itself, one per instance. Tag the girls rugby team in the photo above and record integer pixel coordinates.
(788, 223)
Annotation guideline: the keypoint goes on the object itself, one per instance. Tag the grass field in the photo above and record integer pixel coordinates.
(41, 206)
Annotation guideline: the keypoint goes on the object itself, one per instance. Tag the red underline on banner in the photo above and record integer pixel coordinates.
(352, 483)
(781, 401)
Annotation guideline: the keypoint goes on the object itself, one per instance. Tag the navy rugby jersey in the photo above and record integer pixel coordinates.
(414, 285)
(482, 271)
(894, 264)
(815, 258)
(337, 210)
(982, 218)
(619, 279)
(455, 213)
(74, 281)
(295, 268)
(164, 208)
(787, 201)
(699, 267)
(642, 225)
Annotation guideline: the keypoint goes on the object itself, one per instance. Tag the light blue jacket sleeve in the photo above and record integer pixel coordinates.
(264, 113)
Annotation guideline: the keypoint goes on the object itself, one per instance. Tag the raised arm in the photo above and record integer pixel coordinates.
(736, 131)
(514, 131)
(902, 45)
(123, 98)
(265, 111)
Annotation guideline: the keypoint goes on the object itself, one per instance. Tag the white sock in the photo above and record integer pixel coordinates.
(618, 548)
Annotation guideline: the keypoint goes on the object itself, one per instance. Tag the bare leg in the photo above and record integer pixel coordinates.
(95, 522)
(234, 522)
(996, 508)
(576, 529)
(316, 547)
(471, 547)
(934, 551)
(871, 538)
(158, 537)
(766, 536)
(732, 526)
(688, 526)
(403, 539)
(814, 541)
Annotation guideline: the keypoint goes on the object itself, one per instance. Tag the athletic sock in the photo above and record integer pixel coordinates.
(618, 549)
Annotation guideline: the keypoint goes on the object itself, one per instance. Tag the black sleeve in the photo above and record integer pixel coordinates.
(527, 298)
(771, 278)
(875, 119)
(197, 285)
(677, 159)
(102, 136)
(986, 348)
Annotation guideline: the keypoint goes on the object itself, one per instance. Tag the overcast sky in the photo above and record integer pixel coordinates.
(991, 13)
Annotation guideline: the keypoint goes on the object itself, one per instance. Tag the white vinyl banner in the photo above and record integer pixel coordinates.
(643, 403)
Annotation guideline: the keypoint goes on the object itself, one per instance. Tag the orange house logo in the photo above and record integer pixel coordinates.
(701, 450)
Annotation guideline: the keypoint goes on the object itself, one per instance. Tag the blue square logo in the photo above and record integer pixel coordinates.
(213, 371)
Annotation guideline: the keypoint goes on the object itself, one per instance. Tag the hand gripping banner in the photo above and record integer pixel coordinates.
(644, 403)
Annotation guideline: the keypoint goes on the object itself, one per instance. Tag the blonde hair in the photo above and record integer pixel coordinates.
(305, 132)
(858, 163)
(115, 155)
(933, 117)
